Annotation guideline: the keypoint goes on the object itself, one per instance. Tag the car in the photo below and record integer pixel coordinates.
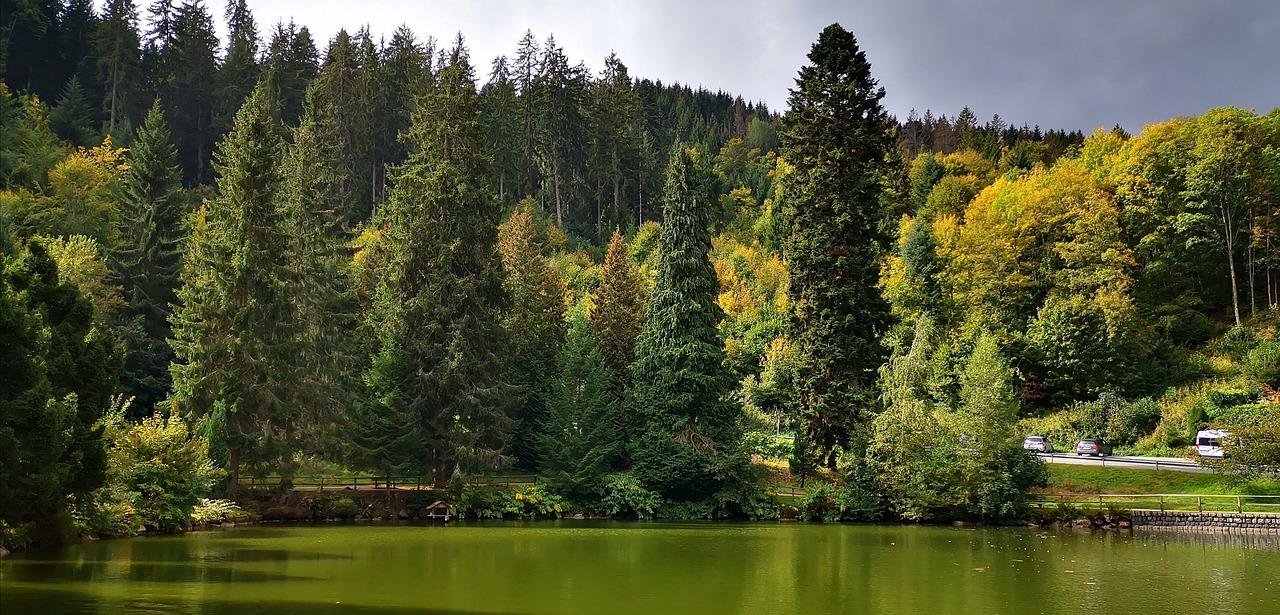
(1094, 447)
(1037, 443)
(1209, 443)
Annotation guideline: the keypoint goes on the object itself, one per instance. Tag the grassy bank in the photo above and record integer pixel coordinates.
(1069, 479)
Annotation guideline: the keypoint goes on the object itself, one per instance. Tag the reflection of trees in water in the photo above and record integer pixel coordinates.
(1206, 537)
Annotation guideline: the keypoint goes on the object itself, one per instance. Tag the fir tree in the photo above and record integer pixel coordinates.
(119, 49)
(239, 71)
(233, 333)
(438, 367)
(838, 137)
(153, 205)
(579, 440)
(682, 417)
(59, 373)
(73, 119)
(619, 312)
(535, 325)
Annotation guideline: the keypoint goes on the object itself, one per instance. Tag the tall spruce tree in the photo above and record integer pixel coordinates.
(233, 332)
(535, 325)
(189, 64)
(619, 312)
(149, 261)
(118, 48)
(437, 400)
(837, 136)
(680, 411)
(59, 372)
(239, 71)
(579, 440)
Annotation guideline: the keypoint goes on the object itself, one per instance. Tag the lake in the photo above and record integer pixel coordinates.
(650, 568)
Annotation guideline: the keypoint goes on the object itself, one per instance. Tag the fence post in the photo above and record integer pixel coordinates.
(1239, 504)
(1162, 503)
(1200, 503)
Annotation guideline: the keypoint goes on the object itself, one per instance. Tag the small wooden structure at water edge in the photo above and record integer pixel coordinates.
(440, 510)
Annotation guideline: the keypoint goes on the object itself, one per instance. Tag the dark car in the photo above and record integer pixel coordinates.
(1093, 446)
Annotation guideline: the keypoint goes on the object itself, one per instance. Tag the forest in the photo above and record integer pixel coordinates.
(253, 258)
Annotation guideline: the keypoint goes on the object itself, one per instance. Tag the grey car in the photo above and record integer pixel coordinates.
(1094, 447)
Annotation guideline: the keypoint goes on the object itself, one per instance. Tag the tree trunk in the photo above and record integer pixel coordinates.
(1231, 260)
(233, 473)
(559, 212)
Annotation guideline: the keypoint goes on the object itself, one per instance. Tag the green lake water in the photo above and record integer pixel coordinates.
(650, 568)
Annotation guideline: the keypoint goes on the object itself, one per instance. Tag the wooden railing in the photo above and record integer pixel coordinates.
(304, 483)
(1167, 501)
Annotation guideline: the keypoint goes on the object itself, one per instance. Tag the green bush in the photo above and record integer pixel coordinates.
(1133, 420)
(767, 445)
(1246, 415)
(624, 496)
(157, 473)
(1235, 343)
(818, 503)
(1229, 397)
(218, 511)
(1263, 364)
(697, 509)
(340, 506)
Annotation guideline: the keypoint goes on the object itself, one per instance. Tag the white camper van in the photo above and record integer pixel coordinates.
(1209, 443)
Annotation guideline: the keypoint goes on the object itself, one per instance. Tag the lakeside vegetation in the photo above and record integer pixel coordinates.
(633, 290)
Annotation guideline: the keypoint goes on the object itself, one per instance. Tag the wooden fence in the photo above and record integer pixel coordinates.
(1166, 501)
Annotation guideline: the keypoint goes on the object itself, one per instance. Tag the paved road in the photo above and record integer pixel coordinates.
(1176, 464)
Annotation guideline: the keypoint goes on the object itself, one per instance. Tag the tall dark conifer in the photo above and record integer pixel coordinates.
(239, 71)
(189, 66)
(838, 137)
(234, 332)
(153, 205)
(438, 403)
(682, 420)
(119, 50)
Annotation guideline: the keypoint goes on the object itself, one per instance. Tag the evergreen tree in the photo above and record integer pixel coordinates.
(233, 330)
(579, 440)
(535, 325)
(239, 71)
(149, 261)
(292, 62)
(190, 65)
(560, 93)
(619, 312)
(323, 308)
(438, 366)
(73, 119)
(837, 136)
(500, 109)
(118, 49)
(59, 373)
(685, 425)
(344, 123)
(615, 119)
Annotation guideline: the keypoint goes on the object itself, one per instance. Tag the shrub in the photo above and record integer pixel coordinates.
(1229, 397)
(818, 503)
(340, 506)
(218, 511)
(624, 496)
(1235, 342)
(1263, 364)
(1133, 421)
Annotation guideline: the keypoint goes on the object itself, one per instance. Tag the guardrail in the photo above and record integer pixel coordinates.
(1153, 462)
(302, 483)
(1167, 501)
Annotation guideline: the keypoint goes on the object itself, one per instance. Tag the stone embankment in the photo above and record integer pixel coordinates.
(1253, 523)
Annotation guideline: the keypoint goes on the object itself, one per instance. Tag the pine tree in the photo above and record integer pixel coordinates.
(153, 205)
(119, 50)
(682, 417)
(190, 62)
(344, 123)
(438, 366)
(579, 439)
(500, 109)
(73, 119)
(59, 373)
(535, 325)
(233, 333)
(837, 136)
(323, 308)
(619, 312)
(292, 62)
(239, 71)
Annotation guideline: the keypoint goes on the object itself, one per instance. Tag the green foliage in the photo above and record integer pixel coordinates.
(531, 502)
(217, 511)
(157, 468)
(579, 440)
(1263, 364)
(59, 374)
(625, 496)
(682, 422)
(619, 311)
(829, 503)
(833, 203)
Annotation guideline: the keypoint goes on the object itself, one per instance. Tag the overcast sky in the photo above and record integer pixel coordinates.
(1073, 64)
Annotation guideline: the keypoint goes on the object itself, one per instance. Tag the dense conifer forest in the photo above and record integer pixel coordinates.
(273, 256)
